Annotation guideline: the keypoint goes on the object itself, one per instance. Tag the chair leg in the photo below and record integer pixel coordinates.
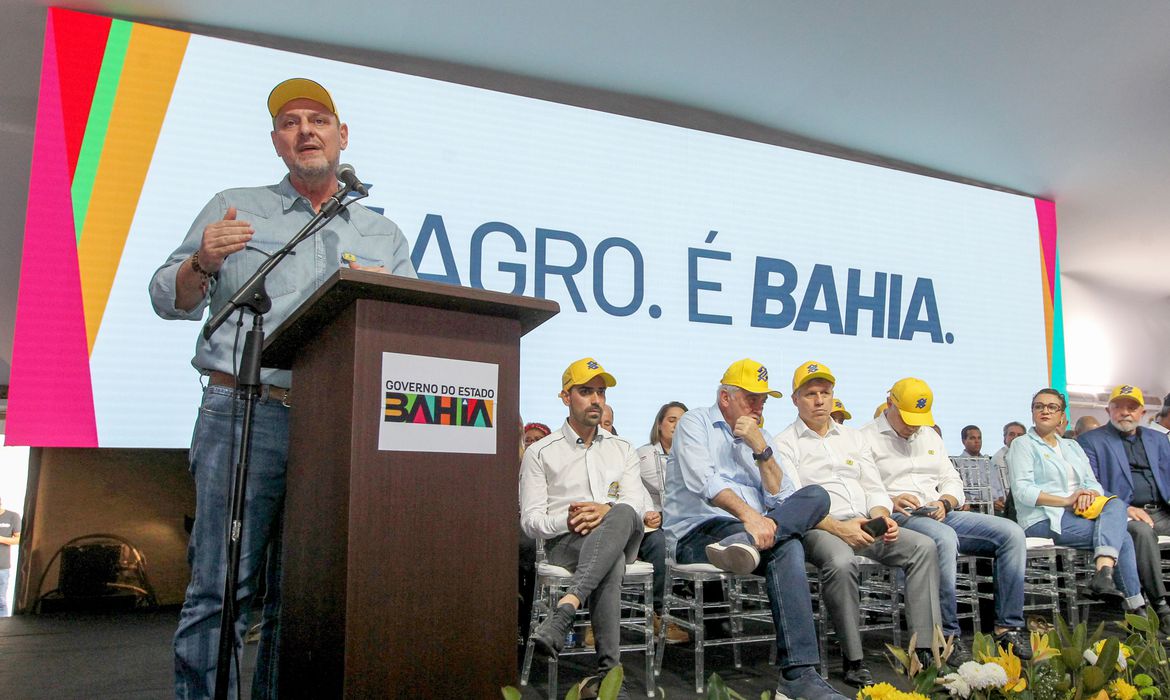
(648, 613)
(699, 636)
(735, 606)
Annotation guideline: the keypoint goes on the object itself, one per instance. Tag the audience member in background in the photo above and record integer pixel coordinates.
(1133, 463)
(526, 582)
(729, 501)
(1001, 484)
(9, 536)
(652, 465)
(1084, 424)
(1056, 496)
(927, 491)
(581, 493)
(972, 438)
(534, 432)
(1161, 422)
(839, 459)
(607, 419)
(839, 413)
(881, 407)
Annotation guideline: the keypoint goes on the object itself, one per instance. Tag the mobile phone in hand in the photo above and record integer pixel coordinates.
(924, 510)
(875, 527)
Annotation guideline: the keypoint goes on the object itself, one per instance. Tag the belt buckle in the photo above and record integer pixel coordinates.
(1152, 506)
(284, 402)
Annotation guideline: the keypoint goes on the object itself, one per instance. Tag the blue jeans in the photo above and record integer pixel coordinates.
(782, 567)
(1107, 536)
(963, 532)
(213, 461)
(4, 592)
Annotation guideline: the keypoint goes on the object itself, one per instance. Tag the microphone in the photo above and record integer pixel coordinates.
(349, 178)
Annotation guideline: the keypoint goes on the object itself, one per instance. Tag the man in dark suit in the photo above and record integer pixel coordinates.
(1133, 463)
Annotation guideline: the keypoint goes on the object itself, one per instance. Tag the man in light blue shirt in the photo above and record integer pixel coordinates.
(229, 239)
(729, 502)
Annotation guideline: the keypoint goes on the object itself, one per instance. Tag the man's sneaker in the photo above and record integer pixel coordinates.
(856, 674)
(1019, 641)
(807, 686)
(960, 654)
(549, 636)
(736, 554)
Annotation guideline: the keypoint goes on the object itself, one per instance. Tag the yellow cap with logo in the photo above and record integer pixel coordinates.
(839, 407)
(583, 370)
(295, 89)
(913, 398)
(809, 371)
(1127, 391)
(750, 376)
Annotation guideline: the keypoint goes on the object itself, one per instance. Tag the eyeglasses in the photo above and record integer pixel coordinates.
(1047, 408)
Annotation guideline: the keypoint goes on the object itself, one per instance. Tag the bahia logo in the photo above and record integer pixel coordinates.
(920, 403)
(812, 368)
(762, 374)
(431, 409)
(592, 364)
(1127, 389)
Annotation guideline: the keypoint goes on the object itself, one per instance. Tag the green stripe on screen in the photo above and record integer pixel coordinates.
(1059, 375)
(99, 119)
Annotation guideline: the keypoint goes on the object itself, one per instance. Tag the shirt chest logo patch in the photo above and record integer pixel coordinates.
(615, 489)
(930, 452)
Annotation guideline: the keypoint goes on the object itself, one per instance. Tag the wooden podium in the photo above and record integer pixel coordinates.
(400, 567)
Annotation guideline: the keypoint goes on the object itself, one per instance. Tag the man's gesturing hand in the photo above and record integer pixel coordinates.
(221, 239)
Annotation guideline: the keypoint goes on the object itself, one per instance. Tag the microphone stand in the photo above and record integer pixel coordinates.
(252, 296)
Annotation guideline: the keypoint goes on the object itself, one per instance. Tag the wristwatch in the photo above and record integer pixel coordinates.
(947, 507)
(763, 456)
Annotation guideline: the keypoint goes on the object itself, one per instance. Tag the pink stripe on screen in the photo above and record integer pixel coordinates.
(50, 399)
(1046, 220)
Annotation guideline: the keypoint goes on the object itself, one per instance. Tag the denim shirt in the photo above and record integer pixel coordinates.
(276, 213)
(707, 458)
(1035, 467)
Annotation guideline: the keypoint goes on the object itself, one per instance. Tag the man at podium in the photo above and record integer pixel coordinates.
(581, 491)
(236, 231)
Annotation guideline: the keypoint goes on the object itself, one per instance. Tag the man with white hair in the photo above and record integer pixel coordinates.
(1134, 464)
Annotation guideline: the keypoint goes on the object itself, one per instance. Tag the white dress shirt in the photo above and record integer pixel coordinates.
(918, 465)
(560, 469)
(649, 456)
(841, 462)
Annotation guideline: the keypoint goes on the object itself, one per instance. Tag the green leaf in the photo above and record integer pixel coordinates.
(510, 693)
(1107, 660)
(1071, 657)
(716, 688)
(1092, 679)
(924, 682)
(1143, 680)
(574, 693)
(611, 684)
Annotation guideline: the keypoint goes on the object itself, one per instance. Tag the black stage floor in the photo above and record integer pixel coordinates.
(127, 656)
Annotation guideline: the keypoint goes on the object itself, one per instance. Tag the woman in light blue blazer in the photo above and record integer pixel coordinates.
(1051, 478)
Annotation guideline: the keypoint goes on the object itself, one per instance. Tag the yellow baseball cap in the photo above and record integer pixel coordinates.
(750, 376)
(295, 89)
(913, 399)
(583, 370)
(1127, 391)
(878, 411)
(809, 371)
(839, 407)
(1094, 508)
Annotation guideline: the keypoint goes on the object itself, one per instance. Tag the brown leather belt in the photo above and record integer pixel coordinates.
(267, 391)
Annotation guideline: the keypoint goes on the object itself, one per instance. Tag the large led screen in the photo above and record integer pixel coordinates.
(672, 252)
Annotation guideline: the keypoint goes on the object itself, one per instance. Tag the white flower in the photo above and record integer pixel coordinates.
(1091, 657)
(980, 676)
(955, 685)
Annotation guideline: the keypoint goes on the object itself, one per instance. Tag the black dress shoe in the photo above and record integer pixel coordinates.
(1163, 612)
(1101, 586)
(960, 654)
(857, 675)
(1018, 639)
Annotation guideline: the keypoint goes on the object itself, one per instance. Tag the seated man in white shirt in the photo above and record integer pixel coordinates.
(927, 493)
(839, 459)
(580, 491)
(1000, 482)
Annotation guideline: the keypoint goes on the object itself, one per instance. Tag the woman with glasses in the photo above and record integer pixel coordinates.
(1052, 482)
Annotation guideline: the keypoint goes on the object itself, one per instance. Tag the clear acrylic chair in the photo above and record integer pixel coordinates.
(551, 584)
